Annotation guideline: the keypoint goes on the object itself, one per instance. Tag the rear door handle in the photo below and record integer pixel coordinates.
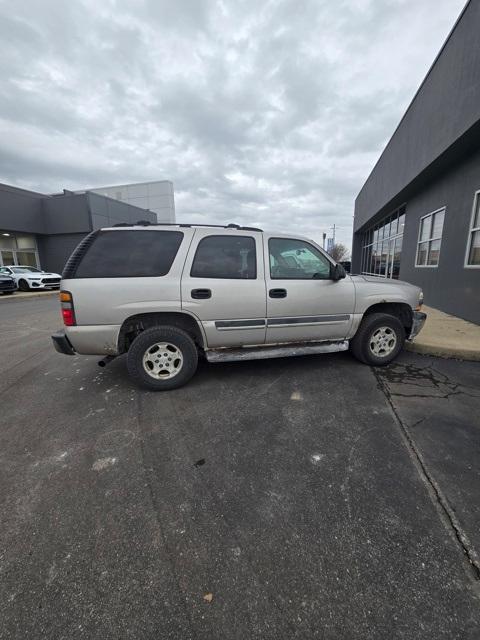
(277, 293)
(201, 294)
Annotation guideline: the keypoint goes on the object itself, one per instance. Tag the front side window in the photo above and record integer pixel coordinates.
(129, 254)
(296, 260)
(473, 247)
(430, 239)
(227, 257)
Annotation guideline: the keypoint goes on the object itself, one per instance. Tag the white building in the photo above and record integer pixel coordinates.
(157, 196)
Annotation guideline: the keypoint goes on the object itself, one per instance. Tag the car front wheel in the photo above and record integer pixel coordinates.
(23, 285)
(162, 358)
(379, 339)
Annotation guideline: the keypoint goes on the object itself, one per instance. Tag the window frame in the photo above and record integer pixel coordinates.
(430, 239)
(471, 231)
(327, 258)
(225, 235)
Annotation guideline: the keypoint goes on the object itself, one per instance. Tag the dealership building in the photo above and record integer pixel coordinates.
(42, 230)
(156, 196)
(417, 217)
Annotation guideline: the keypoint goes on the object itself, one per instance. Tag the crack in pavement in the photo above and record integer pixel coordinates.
(440, 501)
(413, 376)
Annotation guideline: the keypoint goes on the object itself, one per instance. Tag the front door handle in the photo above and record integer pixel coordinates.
(277, 293)
(201, 294)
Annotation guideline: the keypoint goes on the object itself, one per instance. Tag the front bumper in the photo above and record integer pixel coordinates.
(36, 284)
(62, 343)
(418, 321)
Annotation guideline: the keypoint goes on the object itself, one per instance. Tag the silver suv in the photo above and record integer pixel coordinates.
(164, 294)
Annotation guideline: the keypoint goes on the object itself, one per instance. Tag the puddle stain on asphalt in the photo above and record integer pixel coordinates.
(116, 439)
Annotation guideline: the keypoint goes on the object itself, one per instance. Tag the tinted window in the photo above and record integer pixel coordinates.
(297, 260)
(127, 254)
(225, 257)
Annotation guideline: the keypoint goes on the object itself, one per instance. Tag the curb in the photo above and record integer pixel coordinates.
(28, 295)
(441, 351)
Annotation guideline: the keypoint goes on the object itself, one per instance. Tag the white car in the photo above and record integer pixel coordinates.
(30, 278)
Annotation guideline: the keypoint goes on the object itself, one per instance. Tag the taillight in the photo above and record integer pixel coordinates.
(68, 314)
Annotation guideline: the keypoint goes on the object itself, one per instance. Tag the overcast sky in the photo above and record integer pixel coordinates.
(266, 113)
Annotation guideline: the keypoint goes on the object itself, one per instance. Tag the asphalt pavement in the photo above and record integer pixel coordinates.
(302, 498)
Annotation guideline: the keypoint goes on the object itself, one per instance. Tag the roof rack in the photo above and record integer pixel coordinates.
(146, 223)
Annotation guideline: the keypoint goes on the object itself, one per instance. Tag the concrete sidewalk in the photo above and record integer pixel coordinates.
(447, 336)
(18, 295)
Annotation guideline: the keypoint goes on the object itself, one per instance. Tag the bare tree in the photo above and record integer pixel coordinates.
(339, 252)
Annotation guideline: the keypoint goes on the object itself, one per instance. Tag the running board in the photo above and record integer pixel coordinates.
(277, 351)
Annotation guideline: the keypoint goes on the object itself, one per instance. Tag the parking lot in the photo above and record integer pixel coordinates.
(297, 498)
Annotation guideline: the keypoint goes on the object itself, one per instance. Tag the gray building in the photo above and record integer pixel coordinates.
(41, 230)
(157, 196)
(417, 217)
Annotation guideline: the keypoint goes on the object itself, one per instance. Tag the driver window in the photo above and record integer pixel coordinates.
(296, 260)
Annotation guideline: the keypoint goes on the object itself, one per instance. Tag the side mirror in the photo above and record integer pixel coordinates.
(338, 272)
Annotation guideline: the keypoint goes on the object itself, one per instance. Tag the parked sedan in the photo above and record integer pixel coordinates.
(29, 278)
(7, 284)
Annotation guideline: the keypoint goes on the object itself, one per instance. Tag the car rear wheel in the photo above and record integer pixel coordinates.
(23, 285)
(379, 339)
(162, 358)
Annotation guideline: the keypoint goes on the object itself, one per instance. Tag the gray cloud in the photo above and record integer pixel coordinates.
(269, 113)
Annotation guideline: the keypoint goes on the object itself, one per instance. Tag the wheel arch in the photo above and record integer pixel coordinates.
(400, 310)
(136, 324)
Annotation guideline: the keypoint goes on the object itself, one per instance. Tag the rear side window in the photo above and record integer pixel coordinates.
(231, 257)
(129, 254)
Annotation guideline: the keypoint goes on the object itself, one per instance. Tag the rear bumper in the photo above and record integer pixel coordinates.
(94, 340)
(418, 321)
(62, 343)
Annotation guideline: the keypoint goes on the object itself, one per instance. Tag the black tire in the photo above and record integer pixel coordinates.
(7, 293)
(147, 340)
(361, 344)
(23, 285)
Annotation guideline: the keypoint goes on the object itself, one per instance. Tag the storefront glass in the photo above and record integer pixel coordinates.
(18, 249)
(382, 246)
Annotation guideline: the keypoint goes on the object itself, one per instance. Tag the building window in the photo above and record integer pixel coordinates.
(473, 245)
(382, 246)
(18, 250)
(430, 239)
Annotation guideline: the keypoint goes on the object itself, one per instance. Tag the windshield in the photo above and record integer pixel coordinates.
(25, 269)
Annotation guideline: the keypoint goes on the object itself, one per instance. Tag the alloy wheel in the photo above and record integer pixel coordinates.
(162, 360)
(383, 341)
